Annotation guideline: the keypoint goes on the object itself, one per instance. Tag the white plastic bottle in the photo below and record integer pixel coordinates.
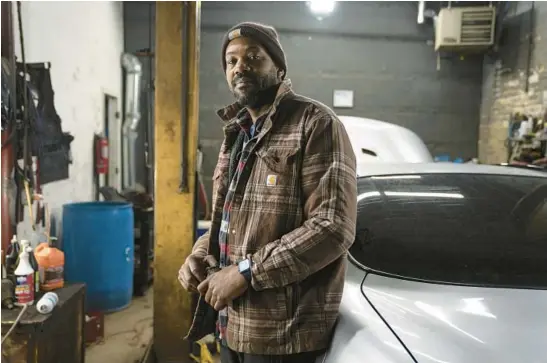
(46, 304)
(24, 280)
(25, 245)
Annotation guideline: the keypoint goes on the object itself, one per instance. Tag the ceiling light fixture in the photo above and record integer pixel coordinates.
(321, 8)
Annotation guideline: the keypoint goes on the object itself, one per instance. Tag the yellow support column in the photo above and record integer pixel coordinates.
(175, 142)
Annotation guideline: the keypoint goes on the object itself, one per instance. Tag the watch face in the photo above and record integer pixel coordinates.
(244, 265)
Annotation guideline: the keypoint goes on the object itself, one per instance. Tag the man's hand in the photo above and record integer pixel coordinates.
(193, 271)
(223, 286)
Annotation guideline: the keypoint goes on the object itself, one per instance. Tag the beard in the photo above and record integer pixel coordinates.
(258, 90)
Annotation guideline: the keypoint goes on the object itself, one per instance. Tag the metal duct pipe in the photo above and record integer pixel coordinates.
(132, 116)
(421, 12)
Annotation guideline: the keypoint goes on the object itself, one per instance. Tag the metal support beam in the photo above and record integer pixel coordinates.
(175, 142)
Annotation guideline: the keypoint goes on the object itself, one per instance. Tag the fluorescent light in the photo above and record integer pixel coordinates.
(321, 7)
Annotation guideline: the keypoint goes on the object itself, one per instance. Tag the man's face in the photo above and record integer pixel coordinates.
(249, 71)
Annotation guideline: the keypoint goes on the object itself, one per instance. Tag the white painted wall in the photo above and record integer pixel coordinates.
(84, 42)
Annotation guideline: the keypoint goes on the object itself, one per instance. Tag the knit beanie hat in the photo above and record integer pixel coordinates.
(263, 34)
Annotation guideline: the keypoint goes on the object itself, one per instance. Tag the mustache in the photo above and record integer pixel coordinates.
(247, 77)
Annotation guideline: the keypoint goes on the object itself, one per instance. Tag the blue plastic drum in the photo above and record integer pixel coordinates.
(98, 242)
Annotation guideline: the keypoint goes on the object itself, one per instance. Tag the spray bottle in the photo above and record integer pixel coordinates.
(24, 280)
(25, 245)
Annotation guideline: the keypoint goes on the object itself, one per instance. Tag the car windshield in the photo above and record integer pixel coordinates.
(476, 229)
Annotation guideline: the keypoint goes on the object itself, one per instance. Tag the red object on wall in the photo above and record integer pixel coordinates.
(101, 155)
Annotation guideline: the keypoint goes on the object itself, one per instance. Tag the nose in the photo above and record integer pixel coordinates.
(241, 66)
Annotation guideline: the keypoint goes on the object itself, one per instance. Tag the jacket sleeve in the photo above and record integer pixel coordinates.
(329, 186)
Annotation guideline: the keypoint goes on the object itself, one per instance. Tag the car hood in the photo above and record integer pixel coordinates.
(455, 324)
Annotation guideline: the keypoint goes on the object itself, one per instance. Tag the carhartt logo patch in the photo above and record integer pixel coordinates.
(234, 34)
(271, 181)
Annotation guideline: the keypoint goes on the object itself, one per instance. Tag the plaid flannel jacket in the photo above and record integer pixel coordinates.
(295, 216)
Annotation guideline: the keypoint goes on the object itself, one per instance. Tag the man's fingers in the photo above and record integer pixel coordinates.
(189, 286)
(182, 281)
(203, 287)
(187, 279)
(197, 268)
(209, 296)
(219, 305)
(190, 277)
(210, 261)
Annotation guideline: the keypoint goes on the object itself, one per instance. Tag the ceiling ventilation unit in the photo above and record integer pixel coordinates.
(465, 29)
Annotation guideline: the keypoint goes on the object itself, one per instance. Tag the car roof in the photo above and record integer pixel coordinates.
(368, 123)
(388, 142)
(442, 168)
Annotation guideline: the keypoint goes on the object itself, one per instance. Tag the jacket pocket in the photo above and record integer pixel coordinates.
(280, 161)
(276, 172)
(291, 299)
(274, 191)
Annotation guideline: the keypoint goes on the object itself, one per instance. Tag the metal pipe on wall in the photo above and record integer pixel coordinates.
(7, 144)
(421, 12)
(132, 116)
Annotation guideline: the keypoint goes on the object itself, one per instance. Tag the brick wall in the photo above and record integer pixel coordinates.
(515, 78)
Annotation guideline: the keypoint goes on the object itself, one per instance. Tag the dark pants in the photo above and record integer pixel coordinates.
(229, 356)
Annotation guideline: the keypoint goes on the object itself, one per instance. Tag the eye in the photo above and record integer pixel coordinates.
(231, 61)
(254, 57)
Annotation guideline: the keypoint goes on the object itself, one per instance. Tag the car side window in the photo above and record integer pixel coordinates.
(476, 229)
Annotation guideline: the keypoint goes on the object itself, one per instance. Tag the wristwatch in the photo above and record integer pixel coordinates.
(244, 268)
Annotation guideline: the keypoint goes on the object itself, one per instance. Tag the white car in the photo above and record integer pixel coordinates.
(449, 265)
(377, 141)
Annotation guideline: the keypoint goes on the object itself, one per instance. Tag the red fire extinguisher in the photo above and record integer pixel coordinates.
(101, 155)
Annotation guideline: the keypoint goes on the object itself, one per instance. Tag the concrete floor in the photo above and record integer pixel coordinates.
(127, 334)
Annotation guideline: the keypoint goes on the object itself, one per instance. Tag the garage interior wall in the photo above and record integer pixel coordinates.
(84, 42)
(376, 49)
(507, 74)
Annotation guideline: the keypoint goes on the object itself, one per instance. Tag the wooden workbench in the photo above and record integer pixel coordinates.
(47, 338)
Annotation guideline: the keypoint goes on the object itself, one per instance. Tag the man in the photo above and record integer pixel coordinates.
(284, 212)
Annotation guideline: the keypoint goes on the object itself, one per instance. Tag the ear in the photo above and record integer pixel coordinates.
(280, 73)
